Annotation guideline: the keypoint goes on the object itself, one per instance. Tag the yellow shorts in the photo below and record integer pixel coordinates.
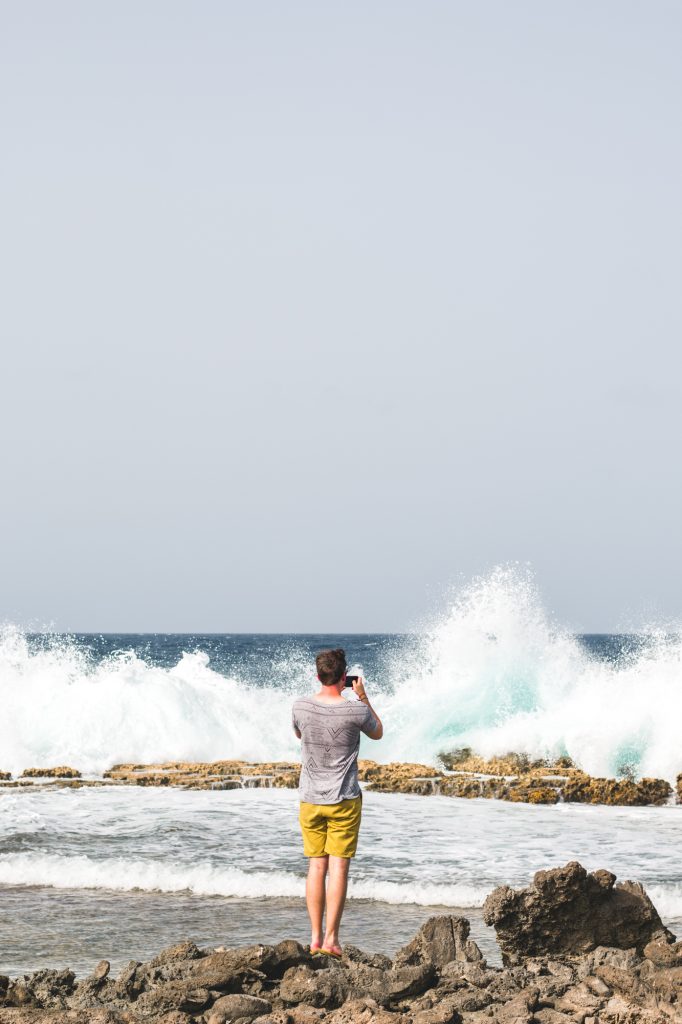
(331, 828)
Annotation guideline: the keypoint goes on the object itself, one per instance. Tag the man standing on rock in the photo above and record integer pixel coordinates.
(329, 726)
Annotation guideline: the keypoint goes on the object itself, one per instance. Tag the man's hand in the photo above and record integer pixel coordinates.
(359, 691)
(359, 688)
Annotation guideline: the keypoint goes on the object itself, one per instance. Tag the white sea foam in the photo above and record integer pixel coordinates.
(122, 875)
(494, 673)
(498, 675)
(668, 901)
(58, 708)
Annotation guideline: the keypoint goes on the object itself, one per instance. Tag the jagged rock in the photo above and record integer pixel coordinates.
(302, 1015)
(357, 956)
(579, 999)
(44, 989)
(327, 987)
(512, 777)
(439, 941)
(100, 972)
(400, 777)
(364, 1011)
(186, 950)
(438, 978)
(237, 1007)
(173, 995)
(549, 1016)
(664, 954)
(229, 970)
(519, 1009)
(127, 985)
(567, 910)
(284, 955)
(444, 1012)
(207, 775)
(597, 987)
(458, 972)
(625, 959)
(90, 989)
(101, 1016)
(584, 789)
(401, 982)
(332, 986)
(507, 984)
(666, 985)
(515, 777)
(61, 772)
(467, 999)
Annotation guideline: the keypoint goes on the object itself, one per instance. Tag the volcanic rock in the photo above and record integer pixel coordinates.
(439, 941)
(568, 911)
(437, 978)
(237, 1007)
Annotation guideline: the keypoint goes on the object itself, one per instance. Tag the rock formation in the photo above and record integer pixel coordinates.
(440, 977)
(512, 778)
(567, 910)
(61, 772)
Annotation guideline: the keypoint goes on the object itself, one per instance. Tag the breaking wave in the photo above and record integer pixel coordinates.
(494, 673)
(123, 875)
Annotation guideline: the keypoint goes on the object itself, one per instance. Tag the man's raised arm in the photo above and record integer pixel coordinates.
(359, 689)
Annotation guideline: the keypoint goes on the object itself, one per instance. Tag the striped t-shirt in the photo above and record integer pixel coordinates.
(330, 741)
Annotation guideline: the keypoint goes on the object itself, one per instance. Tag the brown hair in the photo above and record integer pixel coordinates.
(331, 666)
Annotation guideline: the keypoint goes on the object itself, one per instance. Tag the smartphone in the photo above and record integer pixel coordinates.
(351, 679)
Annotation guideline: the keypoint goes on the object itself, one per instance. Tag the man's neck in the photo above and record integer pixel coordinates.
(331, 694)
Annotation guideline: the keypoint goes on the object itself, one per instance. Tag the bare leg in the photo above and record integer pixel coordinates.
(336, 899)
(314, 895)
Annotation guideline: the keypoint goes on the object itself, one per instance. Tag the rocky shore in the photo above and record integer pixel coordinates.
(577, 948)
(461, 773)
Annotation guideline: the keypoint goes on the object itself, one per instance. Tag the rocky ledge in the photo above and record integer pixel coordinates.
(461, 773)
(577, 949)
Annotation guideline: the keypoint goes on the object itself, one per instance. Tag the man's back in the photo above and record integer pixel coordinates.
(330, 740)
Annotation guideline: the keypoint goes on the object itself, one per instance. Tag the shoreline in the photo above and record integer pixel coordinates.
(512, 778)
(86, 925)
(576, 948)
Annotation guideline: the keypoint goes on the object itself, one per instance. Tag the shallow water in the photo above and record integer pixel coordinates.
(72, 928)
(121, 872)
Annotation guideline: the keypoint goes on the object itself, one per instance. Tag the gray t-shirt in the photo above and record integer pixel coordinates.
(330, 740)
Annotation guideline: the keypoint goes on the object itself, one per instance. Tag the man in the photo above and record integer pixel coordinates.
(329, 727)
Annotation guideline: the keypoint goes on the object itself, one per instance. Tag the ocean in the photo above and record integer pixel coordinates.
(120, 872)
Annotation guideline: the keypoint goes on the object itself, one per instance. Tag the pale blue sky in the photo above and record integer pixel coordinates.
(310, 309)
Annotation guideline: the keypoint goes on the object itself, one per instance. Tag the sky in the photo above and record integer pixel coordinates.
(312, 311)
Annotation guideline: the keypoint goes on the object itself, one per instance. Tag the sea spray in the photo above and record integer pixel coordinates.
(60, 708)
(497, 675)
(494, 673)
